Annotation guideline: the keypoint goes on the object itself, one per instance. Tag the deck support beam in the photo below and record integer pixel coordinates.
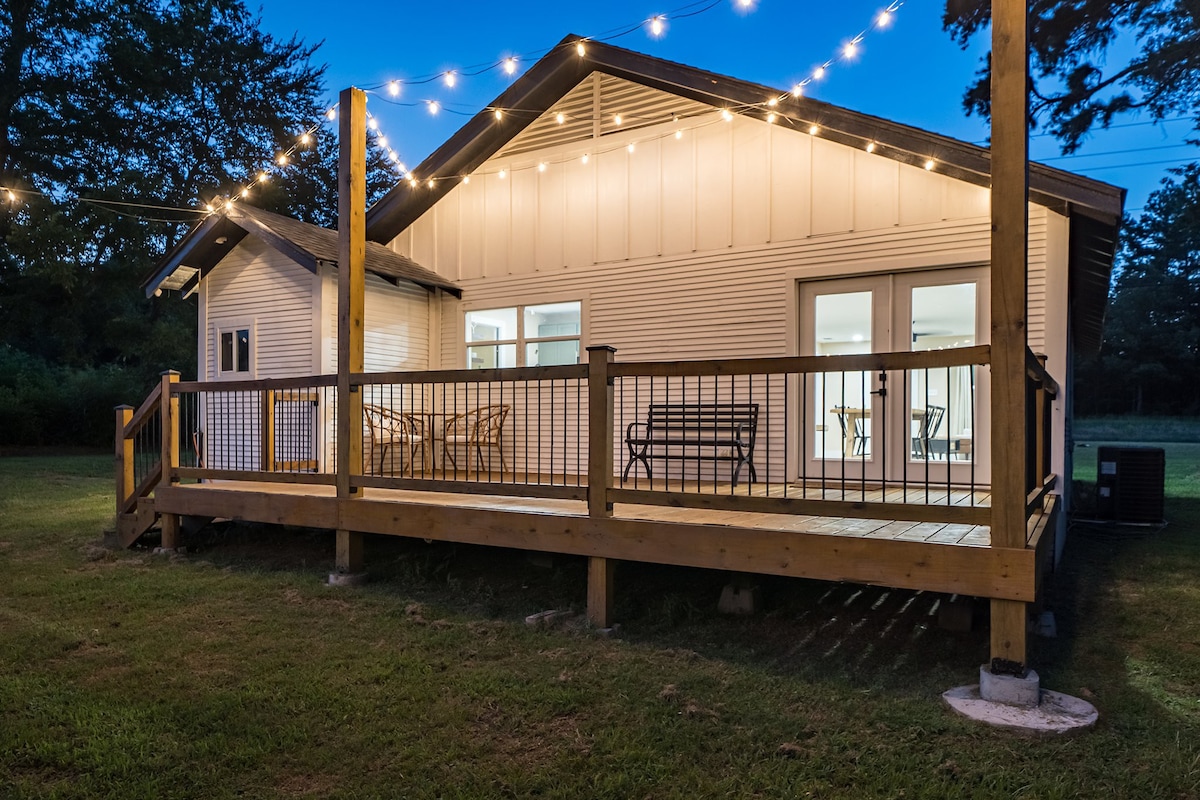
(1009, 257)
(171, 537)
(352, 247)
(601, 575)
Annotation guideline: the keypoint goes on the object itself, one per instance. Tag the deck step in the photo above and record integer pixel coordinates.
(132, 525)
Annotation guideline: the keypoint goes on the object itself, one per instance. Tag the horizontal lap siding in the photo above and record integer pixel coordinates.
(255, 282)
(397, 325)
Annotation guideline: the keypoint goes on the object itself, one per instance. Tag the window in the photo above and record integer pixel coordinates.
(524, 336)
(233, 349)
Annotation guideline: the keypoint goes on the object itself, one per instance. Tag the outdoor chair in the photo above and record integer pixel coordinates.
(476, 429)
(388, 429)
(858, 445)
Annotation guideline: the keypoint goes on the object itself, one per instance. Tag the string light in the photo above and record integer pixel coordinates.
(656, 25)
(12, 197)
(541, 166)
(585, 158)
(813, 130)
(503, 174)
(929, 165)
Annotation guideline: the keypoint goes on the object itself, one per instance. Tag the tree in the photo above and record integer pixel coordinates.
(1150, 359)
(1073, 86)
(164, 104)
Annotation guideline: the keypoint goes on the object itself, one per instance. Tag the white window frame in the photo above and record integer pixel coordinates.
(522, 340)
(232, 326)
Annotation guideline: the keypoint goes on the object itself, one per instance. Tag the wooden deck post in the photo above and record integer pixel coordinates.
(600, 478)
(267, 431)
(1009, 257)
(352, 246)
(169, 405)
(123, 466)
(170, 454)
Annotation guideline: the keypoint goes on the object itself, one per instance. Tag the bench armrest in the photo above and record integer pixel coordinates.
(631, 428)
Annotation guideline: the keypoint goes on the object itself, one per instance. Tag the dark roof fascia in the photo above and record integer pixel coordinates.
(480, 138)
(198, 247)
(563, 68)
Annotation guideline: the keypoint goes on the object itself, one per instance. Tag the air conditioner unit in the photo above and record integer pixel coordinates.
(1129, 483)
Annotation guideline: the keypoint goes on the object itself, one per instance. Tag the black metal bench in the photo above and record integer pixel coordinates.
(695, 432)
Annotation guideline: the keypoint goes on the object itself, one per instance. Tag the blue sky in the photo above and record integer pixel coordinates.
(910, 72)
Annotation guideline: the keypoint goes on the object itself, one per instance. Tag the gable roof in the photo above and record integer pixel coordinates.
(553, 76)
(308, 245)
(1094, 208)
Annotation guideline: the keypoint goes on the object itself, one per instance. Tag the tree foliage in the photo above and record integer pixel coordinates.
(158, 104)
(1081, 75)
(1150, 359)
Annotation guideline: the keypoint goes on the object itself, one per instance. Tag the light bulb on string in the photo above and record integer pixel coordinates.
(798, 90)
(229, 205)
(580, 49)
(466, 178)
(726, 115)
(331, 114)
(305, 138)
(541, 166)
(262, 177)
(585, 158)
(771, 118)
(630, 147)
(381, 141)
(510, 65)
(208, 207)
(678, 134)
(813, 130)
(503, 174)
(498, 114)
(772, 102)
(429, 183)
(433, 106)
(394, 88)
(850, 49)
(281, 159)
(884, 19)
(372, 124)
(819, 72)
(929, 165)
(450, 78)
(560, 118)
(617, 119)
(657, 25)
(246, 192)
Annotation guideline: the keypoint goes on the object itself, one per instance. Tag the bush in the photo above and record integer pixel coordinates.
(45, 404)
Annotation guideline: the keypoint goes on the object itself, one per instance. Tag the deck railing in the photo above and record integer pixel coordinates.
(881, 436)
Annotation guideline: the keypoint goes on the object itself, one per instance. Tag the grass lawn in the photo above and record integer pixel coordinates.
(235, 672)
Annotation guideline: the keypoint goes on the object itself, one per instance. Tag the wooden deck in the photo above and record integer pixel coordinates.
(933, 556)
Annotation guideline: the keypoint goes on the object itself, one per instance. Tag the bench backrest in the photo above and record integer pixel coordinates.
(706, 418)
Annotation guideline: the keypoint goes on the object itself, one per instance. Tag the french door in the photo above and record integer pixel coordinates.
(914, 424)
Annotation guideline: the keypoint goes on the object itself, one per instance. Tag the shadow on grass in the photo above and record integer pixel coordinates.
(866, 636)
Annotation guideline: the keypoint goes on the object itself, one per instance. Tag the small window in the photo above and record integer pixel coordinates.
(234, 350)
(524, 336)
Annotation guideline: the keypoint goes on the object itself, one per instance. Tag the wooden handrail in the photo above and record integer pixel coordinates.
(148, 407)
(308, 382)
(1036, 370)
(866, 362)
(557, 372)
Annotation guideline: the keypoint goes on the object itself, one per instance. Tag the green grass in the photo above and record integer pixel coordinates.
(234, 672)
